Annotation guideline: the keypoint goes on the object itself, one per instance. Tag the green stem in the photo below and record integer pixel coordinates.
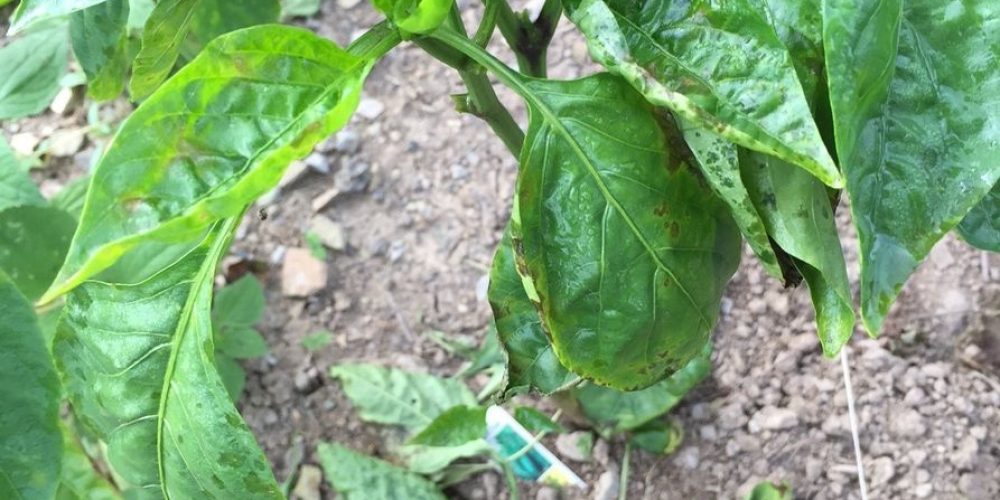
(375, 42)
(507, 76)
(529, 40)
(487, 25)
(623, 477)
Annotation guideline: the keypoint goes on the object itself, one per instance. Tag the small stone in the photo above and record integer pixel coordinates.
(318, 162)
(708, 432)
(347, 4)
(459, 173)
(341, 302)
(547, 493)
(307, 381)
(772, 418)
(965, 454)
(324, 199)
(295, 171)
(688, 458)
(923, 490)
(908, 423)
(65, 143)
(307, 487)
(482, 287)
(814, 468)
(883, 469)
(370, 108)
(330, 233)
(63, 102)
(302, 274)
(732, 417)
(278, 254)
(354, 178)
(607, 486)
(396, 250)
(24, 144)
(347, 141)
(936, 370)
(602, 452)
(575, 446)
(915, 396)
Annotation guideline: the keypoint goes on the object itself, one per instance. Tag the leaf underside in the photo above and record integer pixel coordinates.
(981, 226)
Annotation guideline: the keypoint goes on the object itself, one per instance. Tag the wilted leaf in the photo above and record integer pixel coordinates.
(30, 443)
(394, 397)
(33, 243)
(913, 89)
(358, 477)
(228, 124)
(139, 370)
(718, 65)
(100, 43)
(33, 65)
(981, 226)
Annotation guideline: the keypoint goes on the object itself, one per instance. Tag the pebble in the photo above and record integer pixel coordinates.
(907, 423)
(24, 143)
(602, 452)
(688, 458)
(354, 178)
(347, 4)
(966, 453)
(318, 162)
(330, 233)
(370, 108)
(307, 487)
(575, 446)
(324, 199)
(915, 396)
(708, 432)
(936, 370)
(731, 416)
(307, 381)
(883, 469)
(347, 141)
(547, 493)
(302, 274)
(607, 486)
(923, 490)
(772, 418)
(65, 143)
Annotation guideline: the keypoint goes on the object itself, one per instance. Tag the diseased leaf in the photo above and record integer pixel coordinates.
(16, 186)
(78, 480)
(358, 477)
(213, 18)
(32, 12)
(531, 362)
(30, 443)
(415, 16)
(394, 397)
(913, 89)
(100, 43)
(139, 370)
(228, 124)
(535, 421)
(981, 226)
(33, 65)
(616, 411)
(626, 250)
(33, 243)
(719, 65)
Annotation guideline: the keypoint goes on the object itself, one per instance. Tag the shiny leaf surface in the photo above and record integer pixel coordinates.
(981, 226)
(626, 250)
(212, 18)
(165, 30)
(138, 365)
(913, 89)
(226, 126)
(394, 397)
(531, 362)
(30, 12)
(718, 65)
(100, 42)
(32, 66)
(415, 16)
(33, 243)
(30, 442)
(358, 477)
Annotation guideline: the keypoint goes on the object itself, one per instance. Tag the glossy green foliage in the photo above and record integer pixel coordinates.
(32, 66)
(394, 397)
(981, 226)
(31, 12)
(415, 16)
(720, 66)
(226, 126)
(33, 243)
(531, 362)
(913, 90)
(100, 43)
(78, 480)
(139, 370)
(616, 411)
(16, 186)
(626, 251)
(212, 18)
(358, 477)
(30, 442)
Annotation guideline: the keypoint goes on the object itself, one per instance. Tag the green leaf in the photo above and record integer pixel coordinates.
(30, 443)
(981, 226)
(241, 343)
(769, 491)
(394, 397)
(16, 186)
(660, 437)
(32, 12)
(70, 198)
(139, 371)
(627, 260)
(33, 243)
(33, 65)
(912, 89)
(78, 480)
(487, 355)
(535, 421)
(719, 163)
(531, 362)
(234, 378)
(317, 340)
(455, 426)
(100, 43)
(358, 477)
(212, 18)
(315, 246)
(720, 66)
(240, 303)
(228, 124)
(618, 411)
(415, 16)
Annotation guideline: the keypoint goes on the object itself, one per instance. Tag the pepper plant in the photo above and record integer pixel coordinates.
(711, 123)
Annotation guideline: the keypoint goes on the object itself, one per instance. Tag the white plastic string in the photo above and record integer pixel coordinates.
(854, 423)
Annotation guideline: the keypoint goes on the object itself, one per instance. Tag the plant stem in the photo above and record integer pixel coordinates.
(375, 42)
(528, 39)
(623, 476)
(487, 25)
(534, 440)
